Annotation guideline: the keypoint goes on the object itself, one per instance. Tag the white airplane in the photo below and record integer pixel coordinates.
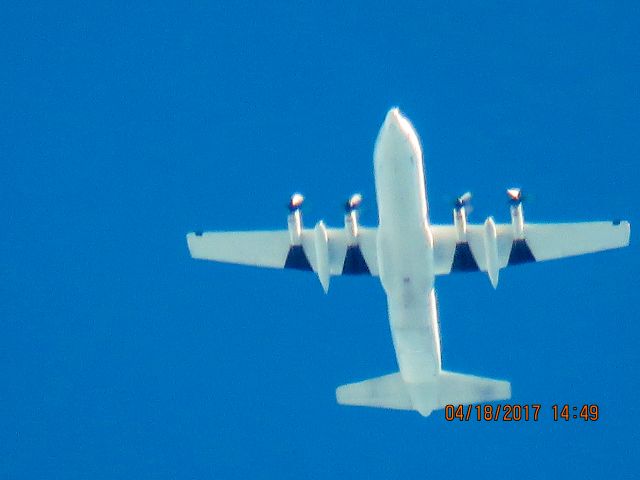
(407, 253)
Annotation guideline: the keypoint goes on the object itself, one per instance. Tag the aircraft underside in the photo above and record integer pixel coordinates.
(407, 253)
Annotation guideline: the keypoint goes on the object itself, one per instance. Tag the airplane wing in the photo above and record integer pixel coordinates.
(539, 242)
(326, 251)
(330, 252)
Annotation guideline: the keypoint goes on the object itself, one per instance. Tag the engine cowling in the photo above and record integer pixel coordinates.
(460, 215)
(351, 217)
(517, 213)
(294, 219)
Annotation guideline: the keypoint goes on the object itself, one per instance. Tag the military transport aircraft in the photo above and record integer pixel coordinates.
(407, 252)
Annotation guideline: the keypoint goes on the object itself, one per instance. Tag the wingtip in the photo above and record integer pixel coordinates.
(191, 242)
(626, 227)
(340, 395)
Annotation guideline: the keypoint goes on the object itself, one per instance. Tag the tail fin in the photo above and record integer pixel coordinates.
(391, 391)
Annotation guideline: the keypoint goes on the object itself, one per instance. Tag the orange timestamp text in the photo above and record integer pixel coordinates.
(493, 413)
(518, 413)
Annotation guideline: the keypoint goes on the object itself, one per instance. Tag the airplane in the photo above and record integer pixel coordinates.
(407, 252)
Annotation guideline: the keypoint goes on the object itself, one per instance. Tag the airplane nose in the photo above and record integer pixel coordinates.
(397, 130)
(393, 117)
(395, 121)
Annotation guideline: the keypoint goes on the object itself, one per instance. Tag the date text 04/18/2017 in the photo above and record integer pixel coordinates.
(519, 413)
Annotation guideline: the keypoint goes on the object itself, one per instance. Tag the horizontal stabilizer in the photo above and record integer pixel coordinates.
(391, 391)
(388, 391)
(458, 388)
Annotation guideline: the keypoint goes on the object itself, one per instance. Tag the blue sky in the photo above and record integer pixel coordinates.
(124, 127)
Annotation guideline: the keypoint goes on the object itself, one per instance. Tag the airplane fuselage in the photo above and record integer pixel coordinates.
(405, 251)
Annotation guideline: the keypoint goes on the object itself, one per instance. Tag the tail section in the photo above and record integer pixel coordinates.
(388, 391)
(391, 391)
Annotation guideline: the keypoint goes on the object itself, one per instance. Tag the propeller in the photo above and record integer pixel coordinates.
(515, 196)
(462, 201)
(295, 202)
(353, 203)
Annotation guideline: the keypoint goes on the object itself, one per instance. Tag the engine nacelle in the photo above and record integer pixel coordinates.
(351, 218)
(460, 222)
(294, 219)
(460, 216)
(517, 213)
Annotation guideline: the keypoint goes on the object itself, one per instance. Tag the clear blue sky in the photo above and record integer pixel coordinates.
(124, 127)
